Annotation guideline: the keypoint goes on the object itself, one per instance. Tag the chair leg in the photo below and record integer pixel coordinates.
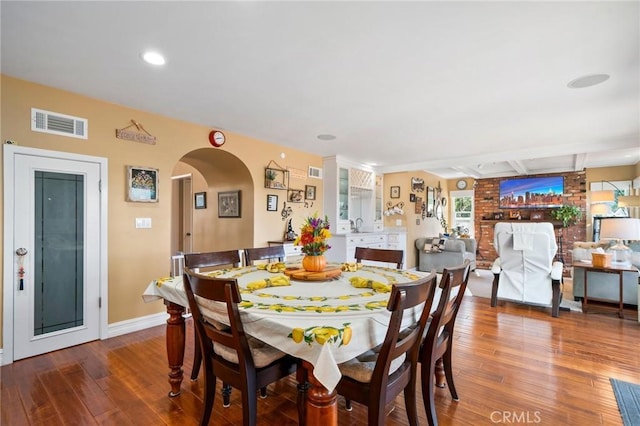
(427, 374)
(448, 371)
(209, 396)
(249, 407)
(557, 295)
(494, 290)
(263, 392)
(347, 404)
(410, 401)
(197, 359)
(226, 395)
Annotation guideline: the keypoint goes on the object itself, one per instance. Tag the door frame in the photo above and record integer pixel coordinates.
(9, 276)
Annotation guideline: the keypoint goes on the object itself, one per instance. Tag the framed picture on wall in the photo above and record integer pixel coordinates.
(142, 184)
(229, 204)
(309, 192)
(395, 192)
(200, 200)
(272, 203)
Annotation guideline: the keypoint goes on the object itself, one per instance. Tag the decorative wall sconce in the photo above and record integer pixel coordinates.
(393, 209)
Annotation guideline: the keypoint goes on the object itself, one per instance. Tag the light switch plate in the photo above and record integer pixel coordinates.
(143, 222)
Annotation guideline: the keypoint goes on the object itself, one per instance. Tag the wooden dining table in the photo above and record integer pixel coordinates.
(323, 322)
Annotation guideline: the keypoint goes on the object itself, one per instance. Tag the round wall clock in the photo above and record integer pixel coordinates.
(217, 138)
(461, 184)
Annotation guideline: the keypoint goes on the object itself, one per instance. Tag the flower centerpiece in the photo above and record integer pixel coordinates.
(313, 239)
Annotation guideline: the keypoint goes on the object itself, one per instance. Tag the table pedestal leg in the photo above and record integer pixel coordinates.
(175, 345)
(322, 405)
(439, 372)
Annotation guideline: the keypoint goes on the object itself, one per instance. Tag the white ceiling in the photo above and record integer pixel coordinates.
(454, 88)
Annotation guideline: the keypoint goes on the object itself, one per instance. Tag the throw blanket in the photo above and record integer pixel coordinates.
(278, 281)
(359, 282)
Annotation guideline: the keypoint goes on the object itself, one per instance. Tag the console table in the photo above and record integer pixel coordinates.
(619, 270)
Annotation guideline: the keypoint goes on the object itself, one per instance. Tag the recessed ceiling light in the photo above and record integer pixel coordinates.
(588, 81)
(153, 58)
(326, 137)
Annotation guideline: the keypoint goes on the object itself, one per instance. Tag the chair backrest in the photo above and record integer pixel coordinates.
(404, 296)
(177, 265)
(224, 290)
(379, 255)
(264, 253)
(525, 243)
(212, 259)
(443, 317)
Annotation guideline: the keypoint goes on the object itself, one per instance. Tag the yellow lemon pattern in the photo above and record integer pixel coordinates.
(322, 335)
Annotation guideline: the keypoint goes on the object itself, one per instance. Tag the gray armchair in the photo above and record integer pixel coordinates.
(455, 252)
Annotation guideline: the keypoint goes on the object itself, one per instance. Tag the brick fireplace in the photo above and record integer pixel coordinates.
(487, 203)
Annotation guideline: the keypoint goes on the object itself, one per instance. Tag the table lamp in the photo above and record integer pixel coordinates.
(620, 228)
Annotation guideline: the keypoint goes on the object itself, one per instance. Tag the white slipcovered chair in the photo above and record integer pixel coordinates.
(525, 271)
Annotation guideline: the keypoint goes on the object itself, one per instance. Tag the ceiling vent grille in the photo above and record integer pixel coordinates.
(58, 124)
(315, 172)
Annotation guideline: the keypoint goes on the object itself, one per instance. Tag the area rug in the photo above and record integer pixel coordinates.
(628, 398)
(480, 282)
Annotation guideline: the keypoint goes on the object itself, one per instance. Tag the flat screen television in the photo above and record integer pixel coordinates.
(532, 192)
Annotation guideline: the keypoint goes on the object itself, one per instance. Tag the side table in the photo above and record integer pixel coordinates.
(619, 270)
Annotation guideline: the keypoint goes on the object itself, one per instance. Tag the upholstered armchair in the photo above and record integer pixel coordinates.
(525, 271)
(454, 253)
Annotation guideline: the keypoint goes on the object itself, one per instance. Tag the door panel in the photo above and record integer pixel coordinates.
(57, 219)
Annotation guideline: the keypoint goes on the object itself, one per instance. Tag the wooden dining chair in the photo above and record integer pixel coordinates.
(438, 343)
(204, 262)
(377, 377)
(379, 255)
(252, 255)
(239, 360)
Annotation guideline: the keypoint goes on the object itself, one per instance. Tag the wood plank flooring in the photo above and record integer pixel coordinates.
(513, 364)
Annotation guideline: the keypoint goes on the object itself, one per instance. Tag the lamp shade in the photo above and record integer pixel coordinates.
(620, 228)
(602, 197)
(629, 201)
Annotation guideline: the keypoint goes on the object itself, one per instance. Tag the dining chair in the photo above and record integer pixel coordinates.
(377, 377)
(264, 253)
(379, 255)
(438, 343)
(239, 360)
(207, 261)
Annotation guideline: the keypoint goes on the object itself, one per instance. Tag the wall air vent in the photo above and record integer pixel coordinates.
(59, 124)
(315, 172)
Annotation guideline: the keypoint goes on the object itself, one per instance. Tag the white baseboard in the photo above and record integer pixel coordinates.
(1, 363)
(136, 324)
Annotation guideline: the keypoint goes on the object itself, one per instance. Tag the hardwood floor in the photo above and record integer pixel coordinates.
(513, 364)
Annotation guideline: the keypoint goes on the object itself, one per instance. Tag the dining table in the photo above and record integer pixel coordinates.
(323, 319)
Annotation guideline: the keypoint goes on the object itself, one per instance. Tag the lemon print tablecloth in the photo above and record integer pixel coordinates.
(323, 322)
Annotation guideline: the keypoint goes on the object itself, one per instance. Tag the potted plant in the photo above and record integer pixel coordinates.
(270, 176)
(569, 215)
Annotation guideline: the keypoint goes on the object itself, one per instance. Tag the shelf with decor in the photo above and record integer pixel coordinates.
(276, 177)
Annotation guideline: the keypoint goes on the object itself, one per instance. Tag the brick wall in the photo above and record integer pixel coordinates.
(487, 203)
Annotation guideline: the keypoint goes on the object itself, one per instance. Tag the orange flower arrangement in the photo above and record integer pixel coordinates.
(314, 235)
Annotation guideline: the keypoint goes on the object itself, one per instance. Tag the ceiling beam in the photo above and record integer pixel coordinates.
(519, 167)
(579, 162)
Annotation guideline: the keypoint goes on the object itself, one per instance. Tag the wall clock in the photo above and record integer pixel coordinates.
(461, 184)
(217, 138)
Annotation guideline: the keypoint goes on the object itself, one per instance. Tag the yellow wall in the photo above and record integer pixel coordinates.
(136, 256)
(414, 229)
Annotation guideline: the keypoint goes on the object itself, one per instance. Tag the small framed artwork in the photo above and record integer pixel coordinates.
(201, 200)
(412, 198)
(272, 203)
(142, 184)
(498, 216)
(514, 214)
(309, 192)
(229, 204)
(395, 192)
(296, 195)
(418, 206)
(537, 215)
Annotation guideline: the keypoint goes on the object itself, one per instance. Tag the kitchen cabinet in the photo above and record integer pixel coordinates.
(343, 246)
(292, 252)
(352, 191)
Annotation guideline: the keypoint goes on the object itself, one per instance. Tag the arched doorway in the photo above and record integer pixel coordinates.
(210, 171)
